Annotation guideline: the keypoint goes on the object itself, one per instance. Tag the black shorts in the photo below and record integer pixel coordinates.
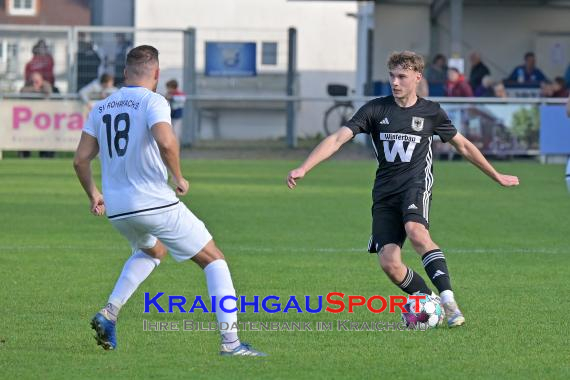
(389, 216)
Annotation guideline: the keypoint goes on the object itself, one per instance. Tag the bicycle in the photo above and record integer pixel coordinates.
(340, 112)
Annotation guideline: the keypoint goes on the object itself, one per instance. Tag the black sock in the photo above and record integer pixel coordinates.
(436, 269)
(413, 282)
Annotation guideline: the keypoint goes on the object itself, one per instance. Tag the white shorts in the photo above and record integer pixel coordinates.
(178, 229)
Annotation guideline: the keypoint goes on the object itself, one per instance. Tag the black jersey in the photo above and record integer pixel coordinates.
(402, 139)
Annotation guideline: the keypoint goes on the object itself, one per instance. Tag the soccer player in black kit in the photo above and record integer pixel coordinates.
(402, 127)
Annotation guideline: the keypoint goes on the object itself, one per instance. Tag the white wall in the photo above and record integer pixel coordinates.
(323, 27)
(112, 12)
(396, 28)
(326, 39)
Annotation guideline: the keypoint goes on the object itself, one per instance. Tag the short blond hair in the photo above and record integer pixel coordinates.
(407, 60)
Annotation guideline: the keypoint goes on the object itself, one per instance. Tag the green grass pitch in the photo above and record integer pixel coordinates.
(507, 249)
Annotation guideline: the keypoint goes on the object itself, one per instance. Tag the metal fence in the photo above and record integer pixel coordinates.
(72, 57)
(75, 56)
(22, 51)
(263, 106)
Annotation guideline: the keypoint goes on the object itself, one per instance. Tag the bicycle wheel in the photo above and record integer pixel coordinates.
(337, 116)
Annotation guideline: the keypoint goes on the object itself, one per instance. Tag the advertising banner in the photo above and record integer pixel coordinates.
(231, 59)
(496, 129)
(40, 124)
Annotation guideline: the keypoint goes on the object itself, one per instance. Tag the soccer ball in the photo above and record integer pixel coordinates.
(430, 315)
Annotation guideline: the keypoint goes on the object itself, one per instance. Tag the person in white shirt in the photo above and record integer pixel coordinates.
(132, 134)
(97, 89)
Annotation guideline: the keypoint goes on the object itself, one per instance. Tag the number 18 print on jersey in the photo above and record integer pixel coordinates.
(135, 180)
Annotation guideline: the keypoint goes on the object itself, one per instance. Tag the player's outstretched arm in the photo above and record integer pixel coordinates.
(170, 153)
(474, 155)
(86, 151)
(324, 150)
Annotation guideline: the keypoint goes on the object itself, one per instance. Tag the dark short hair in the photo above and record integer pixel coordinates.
(105, 78)
(173, 83)
(140, 56)
(528, 55)
(438, 57)
(407, 60)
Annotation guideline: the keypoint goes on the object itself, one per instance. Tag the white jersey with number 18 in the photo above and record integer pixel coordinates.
(135, 180)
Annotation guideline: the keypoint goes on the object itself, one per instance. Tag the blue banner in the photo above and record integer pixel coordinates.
(554, 130)
(231, 59)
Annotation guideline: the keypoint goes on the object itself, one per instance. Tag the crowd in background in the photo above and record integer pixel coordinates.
(444, 80)
(93, 82)
(98, 76)
(100, 73)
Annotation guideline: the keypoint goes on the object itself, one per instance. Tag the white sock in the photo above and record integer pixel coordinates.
(136, 270)
(219, 281)
(447, 296)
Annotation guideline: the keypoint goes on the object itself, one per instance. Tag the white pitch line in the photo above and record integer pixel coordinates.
(229, 248)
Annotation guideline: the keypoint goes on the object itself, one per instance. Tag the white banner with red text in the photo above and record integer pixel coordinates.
(41, 124)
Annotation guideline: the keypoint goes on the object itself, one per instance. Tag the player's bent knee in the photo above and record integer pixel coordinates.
(390, 268)
(390, 265)
(419, 241)
(159, 251)
(418, 234)
(208, 254)
(212, 250)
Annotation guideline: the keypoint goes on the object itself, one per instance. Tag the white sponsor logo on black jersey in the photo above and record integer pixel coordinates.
(398, 146)
(384, 121)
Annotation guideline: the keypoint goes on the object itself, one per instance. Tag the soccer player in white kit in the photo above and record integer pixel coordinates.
(132, 133)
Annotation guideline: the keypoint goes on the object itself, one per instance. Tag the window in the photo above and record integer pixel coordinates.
(269, 53)
(12, 50)
(10, 66)
(8, 51)
(22, 7)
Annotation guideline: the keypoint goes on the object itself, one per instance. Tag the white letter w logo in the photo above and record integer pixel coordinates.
(398, 146)
(398, 149)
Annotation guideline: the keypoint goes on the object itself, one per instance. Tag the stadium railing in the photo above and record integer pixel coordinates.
(501, 127)
(226, 108)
